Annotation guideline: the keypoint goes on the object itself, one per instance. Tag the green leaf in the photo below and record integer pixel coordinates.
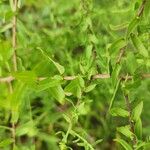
(115, 74)
(142, 144)
(93, 38)
(136, 113)
(81, 81)
(118, 27)
(90, 88)
(59, 67)
(19, 3)
(82, 109)
(6, 50)
(47, 83)
(25, 76)
(89, 51)
(58, 93)
(138, 129)
(6, 142)
(6, 27)
(74, 87)
(131, 63)
(114, 94)
(119, 112)
(11, 2)
(147, 9)
(132, 25)
(139, 45)
(125, 130)
(16, 100)
(116, 46)
(26, 128)
(124, 144)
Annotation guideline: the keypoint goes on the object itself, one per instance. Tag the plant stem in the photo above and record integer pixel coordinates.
(14, 60)
(131, 123)
(67, 78)
(141, 9)
(14, 35)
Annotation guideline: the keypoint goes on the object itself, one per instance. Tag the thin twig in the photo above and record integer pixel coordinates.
(70, 77)
(122, 51)
(14, 36)
(94, 77)
(14, 60)
(101, 76)
(141, 9)
(6, 79)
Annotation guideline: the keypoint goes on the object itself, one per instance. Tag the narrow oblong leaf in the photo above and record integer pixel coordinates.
(125, 130)
(5, 50)
(75, 86)
(115, 74)
(11, 2)
(124, 144)
(6, 142)
(47, 83)
(119, 112)
(89, 51)
(90, 88)
(139, 45)
(58, 93)
(59, 67)
(16, 100)
(138, 129)
(118, 27)
(142, 144)
(131, 62)
(132, 25)
(117, 45)
(6, 27)
(136, 113)
(82, 109)
(147, 9)
(25, 76)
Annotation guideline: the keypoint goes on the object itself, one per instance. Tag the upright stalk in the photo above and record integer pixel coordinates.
(131, 123)
(14, 60)
(14, 36)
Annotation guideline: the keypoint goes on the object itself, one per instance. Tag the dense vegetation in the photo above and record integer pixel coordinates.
(74, 74)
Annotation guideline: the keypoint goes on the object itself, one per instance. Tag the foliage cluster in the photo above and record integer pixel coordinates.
(74, 74)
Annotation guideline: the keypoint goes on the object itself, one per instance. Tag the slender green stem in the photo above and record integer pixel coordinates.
(82, 139)
(114, 94)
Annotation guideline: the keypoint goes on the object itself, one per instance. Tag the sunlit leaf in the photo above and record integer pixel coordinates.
(6, 142)
(124, 144)
(132, 25)
(139, 45)
(125, 130)
(136, 113)
(138, 128)
(58, 93)
(116, 111)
